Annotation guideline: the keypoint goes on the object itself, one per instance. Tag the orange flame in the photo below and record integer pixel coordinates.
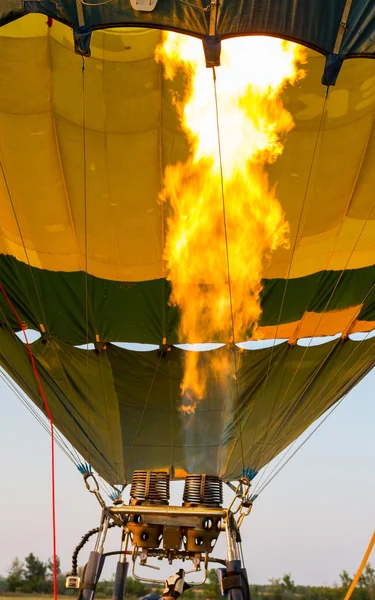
(226, 218)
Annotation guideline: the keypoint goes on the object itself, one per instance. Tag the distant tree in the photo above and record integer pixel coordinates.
(346, 580)
(15, 577)
(3, 585)
(49, 567)
(367, 581)
(287, 583)
(105, 587)
(34, 567)
(254, 592)
(212, 587)
(276, 588)
(48, 585)
(35, 575)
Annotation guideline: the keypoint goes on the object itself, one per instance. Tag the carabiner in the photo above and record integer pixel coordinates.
(87, 476)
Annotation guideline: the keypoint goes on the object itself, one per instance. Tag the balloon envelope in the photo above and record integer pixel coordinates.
(82, 161)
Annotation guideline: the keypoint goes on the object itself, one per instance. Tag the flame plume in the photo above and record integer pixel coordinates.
(224, 210)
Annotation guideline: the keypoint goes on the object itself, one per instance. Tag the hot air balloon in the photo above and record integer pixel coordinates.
(84, 148)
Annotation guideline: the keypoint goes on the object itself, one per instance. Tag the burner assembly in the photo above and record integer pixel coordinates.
(152, 528)
(203, 491)
(149, 488)
(188, 531)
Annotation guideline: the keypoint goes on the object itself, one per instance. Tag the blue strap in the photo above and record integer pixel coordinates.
(250, 473)
(84, 468)
(115, 495)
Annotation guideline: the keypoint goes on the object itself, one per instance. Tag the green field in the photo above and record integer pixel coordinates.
(11, 596)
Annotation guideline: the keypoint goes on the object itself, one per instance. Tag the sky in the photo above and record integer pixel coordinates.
(315, 519)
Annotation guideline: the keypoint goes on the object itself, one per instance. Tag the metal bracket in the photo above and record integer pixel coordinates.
(94, 490)
(241, 495)
(143, 563)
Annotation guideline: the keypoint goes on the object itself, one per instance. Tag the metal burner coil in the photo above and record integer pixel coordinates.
(203, 489)
(150, 486)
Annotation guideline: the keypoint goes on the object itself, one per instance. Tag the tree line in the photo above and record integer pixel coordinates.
(33, 576)
(286, 589)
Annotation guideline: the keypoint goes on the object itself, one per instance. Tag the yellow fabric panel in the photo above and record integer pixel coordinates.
(44, 223)
(363, 326)
(26, 27)
(336, 198)
(329, 323)
(42, 152)
(317, 325)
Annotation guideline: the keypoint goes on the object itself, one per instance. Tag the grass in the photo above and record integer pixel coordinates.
(11, 596)
(15, 596)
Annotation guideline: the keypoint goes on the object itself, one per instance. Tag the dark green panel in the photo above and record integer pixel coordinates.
(152, 387)
(319, 292)
(117, 311)
(284, 19)
(120, 409)
(368, 310)
(314, 23)
(139, 312)
(302, 383)
(78, 386)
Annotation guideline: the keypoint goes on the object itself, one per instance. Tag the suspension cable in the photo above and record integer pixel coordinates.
(37, 415)
(265, 382)
(41, 307)
(319, 393)
(326, 417)
(45, 403)
(299, 225)
(272, 476)
(22, 396)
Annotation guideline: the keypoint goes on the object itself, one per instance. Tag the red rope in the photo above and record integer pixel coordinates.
(43, 396)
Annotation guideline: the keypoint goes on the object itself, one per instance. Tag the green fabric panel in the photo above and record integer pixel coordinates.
(100, 400)
(118, 311)
(139, 312)
(319, 292)
(368, 310)
(166, 437)
(302, 383)
(79, 390)
(359, 36)
(283, 20)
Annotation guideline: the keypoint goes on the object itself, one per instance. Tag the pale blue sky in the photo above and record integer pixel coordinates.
(314, 520)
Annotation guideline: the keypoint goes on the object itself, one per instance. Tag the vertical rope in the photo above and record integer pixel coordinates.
(317, 411)
(228, 267)
(52, 429)
(85, 248)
